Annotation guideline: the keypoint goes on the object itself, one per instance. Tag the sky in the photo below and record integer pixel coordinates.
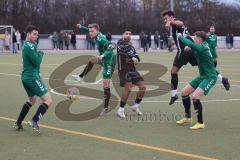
(230, 1)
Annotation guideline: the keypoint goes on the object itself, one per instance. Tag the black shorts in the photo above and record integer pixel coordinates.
(185, 58)
(126, 76)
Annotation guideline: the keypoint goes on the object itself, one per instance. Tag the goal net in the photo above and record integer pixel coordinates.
(6, 32)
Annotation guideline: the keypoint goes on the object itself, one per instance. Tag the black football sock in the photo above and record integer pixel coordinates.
(187, 105)
(122, 104)
(40, 112)
(26, 107)
(138, 100)
(87, 69)
(198, 109)
(174, 81)
(107, 95)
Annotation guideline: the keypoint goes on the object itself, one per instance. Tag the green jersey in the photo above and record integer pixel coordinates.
(212, 40)
(104, 46)
(31, 60)
(203, 56)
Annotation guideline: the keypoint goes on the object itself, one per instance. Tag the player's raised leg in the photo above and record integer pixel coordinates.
(212, 43)
(87, 69)
(105, 58)
(222, 79)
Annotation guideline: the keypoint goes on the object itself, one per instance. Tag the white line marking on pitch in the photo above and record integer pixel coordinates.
(52, 90)
(98, 82)
(83, 83)
(149, 101)
(205, 101)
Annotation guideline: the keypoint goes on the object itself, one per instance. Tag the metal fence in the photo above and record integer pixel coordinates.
(45, 42)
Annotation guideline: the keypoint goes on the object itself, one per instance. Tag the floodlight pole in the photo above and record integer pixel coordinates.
(172, 9)
(172, 5)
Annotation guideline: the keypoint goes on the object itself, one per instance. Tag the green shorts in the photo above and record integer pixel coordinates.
(214, 53)
(205, 83)
(108, 67)
(107, 71)
(35, 87)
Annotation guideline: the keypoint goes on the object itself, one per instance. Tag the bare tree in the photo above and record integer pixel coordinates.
(116, 15)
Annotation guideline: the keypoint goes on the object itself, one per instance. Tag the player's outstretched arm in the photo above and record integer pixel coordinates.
(83, 28)
(189, 43)
(177, 23)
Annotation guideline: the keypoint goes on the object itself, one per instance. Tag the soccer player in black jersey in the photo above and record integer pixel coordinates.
(184, 54)
(127, 58)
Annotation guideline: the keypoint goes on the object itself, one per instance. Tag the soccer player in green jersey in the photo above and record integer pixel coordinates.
(32, 82)
(212, 42)
(202, 84)
(106, 59)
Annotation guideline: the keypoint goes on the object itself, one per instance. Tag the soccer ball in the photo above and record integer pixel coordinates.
(73, 93)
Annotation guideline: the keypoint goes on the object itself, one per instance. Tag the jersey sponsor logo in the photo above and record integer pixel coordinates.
(109, 69)
(209, 85)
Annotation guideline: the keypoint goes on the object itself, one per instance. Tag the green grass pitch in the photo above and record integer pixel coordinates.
(108, 138)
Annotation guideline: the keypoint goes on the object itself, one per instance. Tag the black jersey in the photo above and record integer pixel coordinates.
(182, 57)
(125, 53)
(183, 30)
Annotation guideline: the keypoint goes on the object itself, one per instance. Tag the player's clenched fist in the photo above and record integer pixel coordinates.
(135, 60)
(79, 26)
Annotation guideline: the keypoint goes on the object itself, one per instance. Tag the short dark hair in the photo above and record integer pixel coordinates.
(168, 12)
(127, 30)
(201, 34)
(31, 28)
(94, 25)
(212, 26)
